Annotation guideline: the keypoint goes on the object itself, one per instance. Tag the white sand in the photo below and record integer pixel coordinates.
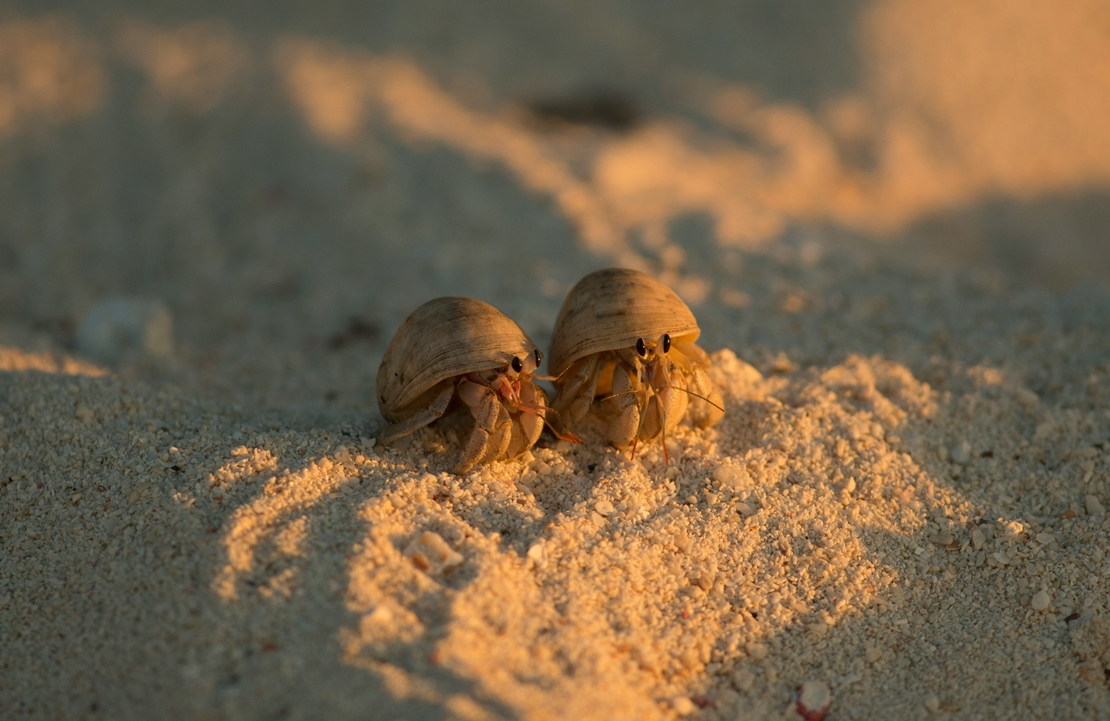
(904, 295)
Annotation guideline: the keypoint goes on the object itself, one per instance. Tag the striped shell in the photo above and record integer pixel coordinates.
(443, 338)
(610, 309)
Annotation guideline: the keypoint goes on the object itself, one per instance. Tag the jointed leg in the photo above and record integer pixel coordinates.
(576, 393)
(421, 418)
(492, 429)
(668, 406)
(706, 405)
(623, 409)
(527, 424)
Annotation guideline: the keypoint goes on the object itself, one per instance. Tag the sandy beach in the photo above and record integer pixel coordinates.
(891, 219)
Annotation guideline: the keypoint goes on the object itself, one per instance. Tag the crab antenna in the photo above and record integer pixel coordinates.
(567, 434)
(613, 395)
(554, 379)
(695, 395)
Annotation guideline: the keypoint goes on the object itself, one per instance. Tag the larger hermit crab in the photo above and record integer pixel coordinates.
(463, 353)
(624, 348)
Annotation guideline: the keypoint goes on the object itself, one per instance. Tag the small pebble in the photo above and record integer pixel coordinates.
(430, 553)
(381, 615)
(732, 477)
(704, 581)
(961, 453)
(605, 508)
(781, 364)
(757, 650)
(1094, 506)
(537, 554)
(1041, 600)
(932, 702)
(683, 706)
(814, 699)
(117, 327)
(743, 679)
(1027, 398)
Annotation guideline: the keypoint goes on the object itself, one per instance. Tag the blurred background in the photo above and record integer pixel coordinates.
(284, 182)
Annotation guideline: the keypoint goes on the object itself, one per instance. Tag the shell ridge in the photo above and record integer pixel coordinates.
(598, 315)
(448, 336)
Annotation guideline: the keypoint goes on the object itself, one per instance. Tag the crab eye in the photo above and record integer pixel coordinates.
(517, 365)
(640, 347)
(539, 357)
(666, 342)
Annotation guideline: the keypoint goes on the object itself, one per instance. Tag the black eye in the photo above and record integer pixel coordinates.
(539, 357)
(640, 347)
(666, 342)
(517, 365)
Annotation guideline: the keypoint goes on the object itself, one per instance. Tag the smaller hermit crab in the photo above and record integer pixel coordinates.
(459, 352)
(624, 346)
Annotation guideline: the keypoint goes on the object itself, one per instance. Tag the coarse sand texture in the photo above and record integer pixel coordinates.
(889, 219)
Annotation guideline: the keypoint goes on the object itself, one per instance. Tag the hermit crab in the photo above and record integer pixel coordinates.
(624, 346)
(459, 352)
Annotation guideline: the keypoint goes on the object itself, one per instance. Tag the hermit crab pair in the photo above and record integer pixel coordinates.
(623, 350)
